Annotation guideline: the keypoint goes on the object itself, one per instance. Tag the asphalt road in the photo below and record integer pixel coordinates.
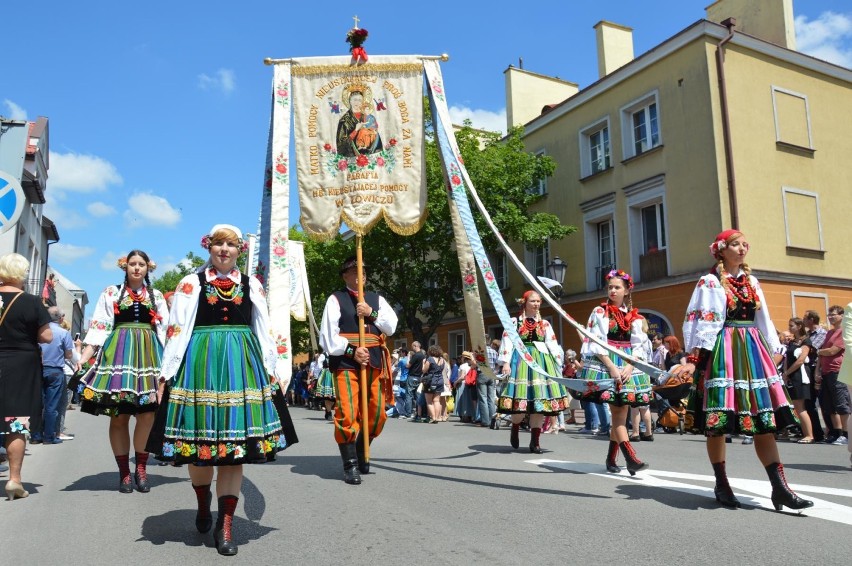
(440, 494)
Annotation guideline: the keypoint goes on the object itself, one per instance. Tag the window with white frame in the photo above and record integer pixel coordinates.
(606, 247)
(537, 259)
(640, 125)
(433, 341)
(598, 239)
(500, 265)
(457, 343)
(802, 220)
(595, 148)
(653, 228)
(539, 187)
(792, 118)
(647, 228)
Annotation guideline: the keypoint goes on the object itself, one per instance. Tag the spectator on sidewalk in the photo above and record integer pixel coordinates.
(415, 374)
(23, 324)
(53, 358)
(816, 334)
(834, 395)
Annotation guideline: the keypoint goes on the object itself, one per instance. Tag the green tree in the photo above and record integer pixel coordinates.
(170, 279)
(419, 274)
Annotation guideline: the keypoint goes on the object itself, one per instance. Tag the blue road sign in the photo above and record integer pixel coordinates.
(12, 201)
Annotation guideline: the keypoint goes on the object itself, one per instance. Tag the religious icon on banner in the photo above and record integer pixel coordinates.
(359, 143)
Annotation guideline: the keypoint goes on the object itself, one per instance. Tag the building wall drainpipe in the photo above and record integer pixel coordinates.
(726, 122)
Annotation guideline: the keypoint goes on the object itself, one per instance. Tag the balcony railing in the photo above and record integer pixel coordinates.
(653, 265)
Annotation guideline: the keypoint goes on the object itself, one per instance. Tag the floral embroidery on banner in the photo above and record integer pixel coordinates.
(437, 89)
(267, 183)
(384, 159)
(279, 251)
(259, 272)
(173, 330)
(281, 347)
(282, 92)
(282, 174)
(469, 280)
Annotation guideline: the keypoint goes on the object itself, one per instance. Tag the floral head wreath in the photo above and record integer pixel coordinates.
(623, 275)
(207, 240)
(122, 264)
(722, 240)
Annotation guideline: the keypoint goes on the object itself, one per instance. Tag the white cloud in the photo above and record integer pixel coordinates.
(223, 79)
(64, 217)
(67, 254)
(81, 173)
(150, 209)
(15, 111)
(481, 119)
(100, 209)
(108, 261)
(829, 37)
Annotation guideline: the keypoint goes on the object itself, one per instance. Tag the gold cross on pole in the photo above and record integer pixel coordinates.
(356, 21)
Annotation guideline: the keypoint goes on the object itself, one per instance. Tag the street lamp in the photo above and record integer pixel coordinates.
(557, 269)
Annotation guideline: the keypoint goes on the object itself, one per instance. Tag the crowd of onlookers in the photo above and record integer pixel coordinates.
(429, 386)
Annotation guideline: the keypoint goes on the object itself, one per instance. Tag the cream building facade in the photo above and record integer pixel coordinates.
(723, 124)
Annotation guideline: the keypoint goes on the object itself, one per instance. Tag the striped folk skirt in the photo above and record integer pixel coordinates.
(635, 393)
(123, 379)
(740, 391)
(325, 386)
(529, 392)
(220, 408)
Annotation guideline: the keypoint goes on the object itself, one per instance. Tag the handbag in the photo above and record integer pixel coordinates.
(470, 378)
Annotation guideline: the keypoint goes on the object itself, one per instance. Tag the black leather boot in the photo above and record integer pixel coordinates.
(535, 435)
(634, 464)
(203, 518)
(611, 457)
(514, 440)
(723, 491)
(781, 493)
(224, 519)
(363, 464)
(350, 463)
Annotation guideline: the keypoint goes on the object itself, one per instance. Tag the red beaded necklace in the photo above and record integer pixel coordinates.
(136, 297)
(621, 318)
(529, 324)
(742, 290)
(223, 284)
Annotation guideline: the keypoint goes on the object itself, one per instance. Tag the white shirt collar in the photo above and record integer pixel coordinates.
(212, 273)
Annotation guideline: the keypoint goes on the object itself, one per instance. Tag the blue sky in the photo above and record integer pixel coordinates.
(159, 111)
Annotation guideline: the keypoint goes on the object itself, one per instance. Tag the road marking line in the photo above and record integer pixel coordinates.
(822, 509)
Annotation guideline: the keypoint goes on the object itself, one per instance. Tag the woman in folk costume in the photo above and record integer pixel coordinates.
(324, 390)
(217, 408)
(617, 322)
(527, 392)
(129, 327)
(734, 353)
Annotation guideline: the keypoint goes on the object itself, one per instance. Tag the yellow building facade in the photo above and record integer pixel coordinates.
(663, 152)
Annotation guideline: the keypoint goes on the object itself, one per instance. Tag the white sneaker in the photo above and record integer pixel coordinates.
(841, 441)
(588, 431)
(64, 436)
(748, 440)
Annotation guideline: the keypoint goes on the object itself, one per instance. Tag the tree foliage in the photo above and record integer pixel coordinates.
(169, 280)
(419, 274)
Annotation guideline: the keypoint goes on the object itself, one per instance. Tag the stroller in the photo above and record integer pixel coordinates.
(674, 390)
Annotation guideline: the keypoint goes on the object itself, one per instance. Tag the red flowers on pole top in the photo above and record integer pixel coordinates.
(356, 37)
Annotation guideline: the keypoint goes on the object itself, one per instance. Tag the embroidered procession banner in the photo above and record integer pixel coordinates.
(359, 143)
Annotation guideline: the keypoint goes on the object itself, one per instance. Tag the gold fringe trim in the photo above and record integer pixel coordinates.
(310, 70)
(364, 229)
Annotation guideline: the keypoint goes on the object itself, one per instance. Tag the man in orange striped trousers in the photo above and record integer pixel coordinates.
(339, 339)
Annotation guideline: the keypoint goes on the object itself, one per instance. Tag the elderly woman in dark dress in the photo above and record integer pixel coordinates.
(24, 322)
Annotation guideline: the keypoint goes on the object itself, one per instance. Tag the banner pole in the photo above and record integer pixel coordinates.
(365, 431)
